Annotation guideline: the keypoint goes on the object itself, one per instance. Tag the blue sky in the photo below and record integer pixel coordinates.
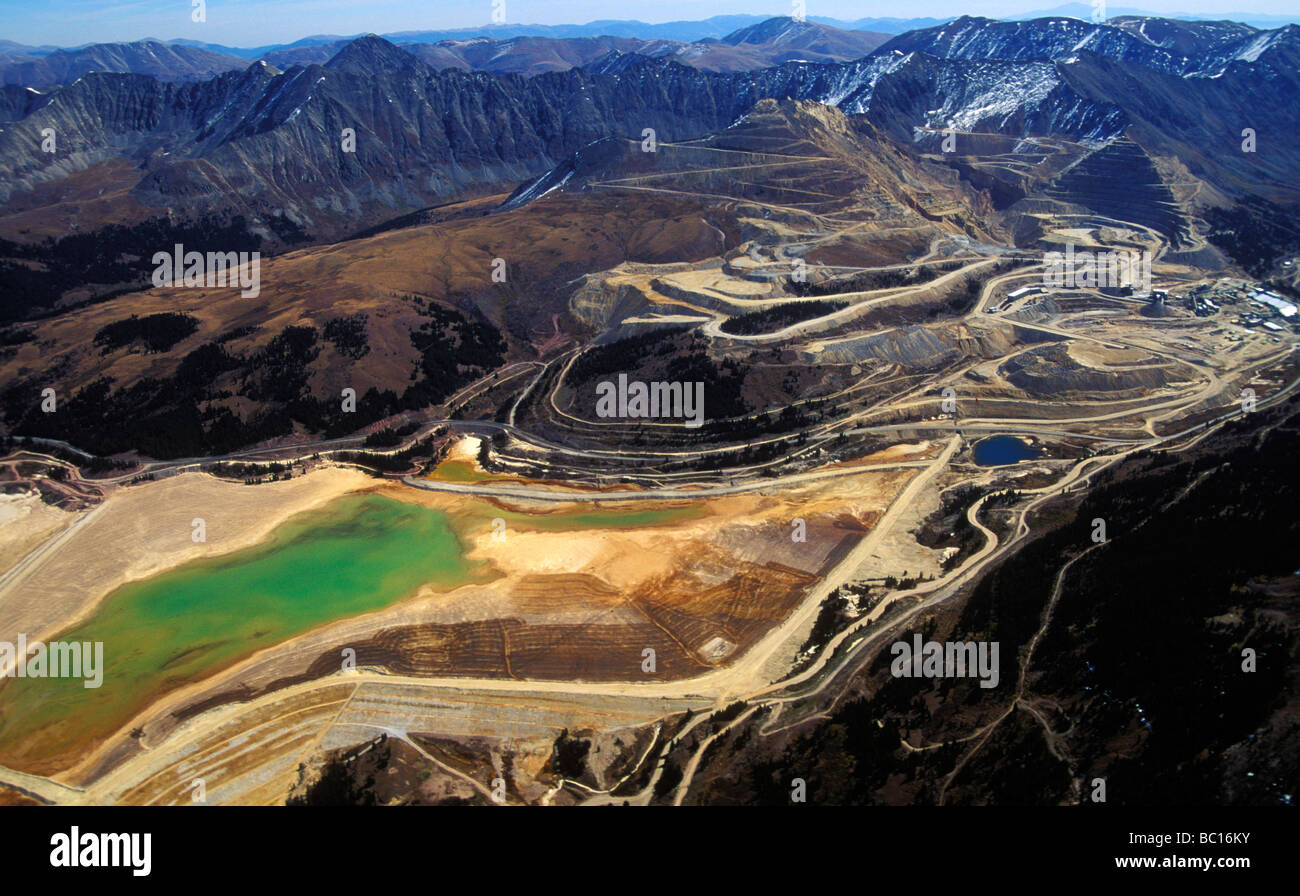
(258, 22)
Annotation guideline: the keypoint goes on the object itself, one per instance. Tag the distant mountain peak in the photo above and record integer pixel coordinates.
(370, 53)
(774, 30)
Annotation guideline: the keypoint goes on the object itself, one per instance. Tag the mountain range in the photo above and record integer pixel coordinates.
(720, 43)
(754, 46)
(262, 141)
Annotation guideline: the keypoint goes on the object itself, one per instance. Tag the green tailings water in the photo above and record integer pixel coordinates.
(458, 471)
(359, 554)
(600, 518)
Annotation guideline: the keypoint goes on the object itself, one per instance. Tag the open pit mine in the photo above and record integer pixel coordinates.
(604, 463)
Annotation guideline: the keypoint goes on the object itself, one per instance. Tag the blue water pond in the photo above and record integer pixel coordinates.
(999, 451)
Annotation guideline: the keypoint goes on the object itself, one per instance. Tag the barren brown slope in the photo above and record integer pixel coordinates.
(437, 277)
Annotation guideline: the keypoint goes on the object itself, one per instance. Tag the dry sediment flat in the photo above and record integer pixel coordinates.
(27, 522)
